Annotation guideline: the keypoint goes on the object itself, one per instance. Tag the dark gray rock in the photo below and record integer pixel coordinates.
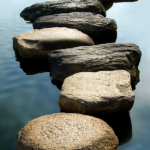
(112, 56)
(99, 28)
(62, 6)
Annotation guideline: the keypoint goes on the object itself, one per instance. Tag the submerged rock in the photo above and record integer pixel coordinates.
(111, 56)
(96, 93)
(99, 28)
(37, 43)
(63, 131)
(63, 6)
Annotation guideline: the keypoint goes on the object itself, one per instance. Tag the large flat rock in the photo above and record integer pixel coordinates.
(99, 28)
(65, 131)
(112, 56)
(37, 43)
(62, 6)
(96, 93)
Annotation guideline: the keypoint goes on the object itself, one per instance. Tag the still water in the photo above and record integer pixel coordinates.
(26, 94)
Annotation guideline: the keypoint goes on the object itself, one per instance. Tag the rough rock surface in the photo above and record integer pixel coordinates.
(63, 6)
(111, 56)
(99, 28)
(37, 43)
(96, 93)
(64, 131)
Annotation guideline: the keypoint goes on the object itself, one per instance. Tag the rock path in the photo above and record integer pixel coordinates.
(97, 79)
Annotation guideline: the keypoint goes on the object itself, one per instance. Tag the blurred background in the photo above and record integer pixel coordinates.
(26, 94)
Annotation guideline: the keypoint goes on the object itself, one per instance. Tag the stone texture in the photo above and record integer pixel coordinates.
(99, 28)
(63, 6)
(116, 1)
(111, 56)
(96, 93)
(37, 43)
(64, 131)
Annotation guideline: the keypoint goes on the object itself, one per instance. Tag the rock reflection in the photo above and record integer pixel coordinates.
(107, 5)
(121, 124)
(57, 83)
(31, 67)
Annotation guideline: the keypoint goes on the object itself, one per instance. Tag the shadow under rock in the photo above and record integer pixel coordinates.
(56, 82)
(107, 5)
(31, 67)
(121, 124)
(106, 37)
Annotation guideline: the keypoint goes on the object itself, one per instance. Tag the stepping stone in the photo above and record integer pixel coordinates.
(63, 131)
(63, 6)
(111, 56)
(37, 43)
(97, 92)
(99, 28)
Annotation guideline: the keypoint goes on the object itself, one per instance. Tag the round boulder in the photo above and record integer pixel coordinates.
(63, 131)
(37, 43)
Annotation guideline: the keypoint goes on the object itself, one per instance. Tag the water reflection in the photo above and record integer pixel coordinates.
(31, 67)
(121, 124)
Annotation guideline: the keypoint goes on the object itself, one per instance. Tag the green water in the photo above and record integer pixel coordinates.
(25, 95)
